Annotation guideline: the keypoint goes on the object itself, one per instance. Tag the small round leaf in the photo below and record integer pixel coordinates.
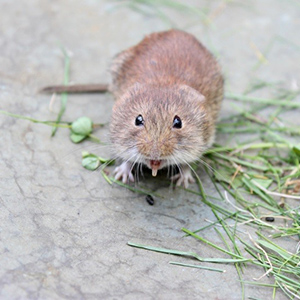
(82, 126)
(91, 163)
(77, 138)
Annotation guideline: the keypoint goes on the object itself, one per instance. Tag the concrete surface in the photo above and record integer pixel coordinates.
(63, 229)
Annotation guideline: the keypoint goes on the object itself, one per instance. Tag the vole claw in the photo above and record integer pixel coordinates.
(124, 172)
(184, 177)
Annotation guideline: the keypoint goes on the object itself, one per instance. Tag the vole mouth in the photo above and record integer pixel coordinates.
(154, 165)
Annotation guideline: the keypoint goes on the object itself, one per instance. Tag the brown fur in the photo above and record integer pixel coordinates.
(168, 73)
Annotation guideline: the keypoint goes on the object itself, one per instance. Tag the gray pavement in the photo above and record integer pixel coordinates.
(63, 229)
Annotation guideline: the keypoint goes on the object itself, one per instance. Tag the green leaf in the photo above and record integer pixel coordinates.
(77, 138)
(107, 161)
(265, 183)
(85, 154)
(82, 126)
(282, 252)
(296, 150)
(90, 163)
(258, 191)
(223, 175)
(226, 175)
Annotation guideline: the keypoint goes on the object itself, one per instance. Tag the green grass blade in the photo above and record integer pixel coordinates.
(274, 102)
(64, 96)
(196, 266)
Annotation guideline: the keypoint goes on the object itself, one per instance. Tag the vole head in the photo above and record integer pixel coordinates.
(160, 126)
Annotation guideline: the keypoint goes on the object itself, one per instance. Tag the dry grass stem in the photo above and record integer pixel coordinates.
(266, 256)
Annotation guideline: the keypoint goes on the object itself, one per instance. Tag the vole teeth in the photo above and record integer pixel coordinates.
(154, 172)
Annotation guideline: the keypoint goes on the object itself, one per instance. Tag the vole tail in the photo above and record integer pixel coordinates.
(76, 88)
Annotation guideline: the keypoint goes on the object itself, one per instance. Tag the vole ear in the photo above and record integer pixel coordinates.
(186, 90)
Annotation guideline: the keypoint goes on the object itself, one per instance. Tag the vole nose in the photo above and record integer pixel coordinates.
(155, 152)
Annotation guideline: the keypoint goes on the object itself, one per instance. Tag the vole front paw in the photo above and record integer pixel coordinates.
(124, 172)
(184, 177)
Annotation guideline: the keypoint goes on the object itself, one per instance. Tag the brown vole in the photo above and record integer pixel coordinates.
(168, 91)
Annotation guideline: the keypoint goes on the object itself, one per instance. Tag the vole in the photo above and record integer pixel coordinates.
(168, 90)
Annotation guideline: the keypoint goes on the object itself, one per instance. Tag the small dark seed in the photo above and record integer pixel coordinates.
(270, 219)
(150, 199)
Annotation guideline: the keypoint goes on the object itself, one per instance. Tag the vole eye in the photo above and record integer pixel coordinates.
(139, 121)
(177, 122)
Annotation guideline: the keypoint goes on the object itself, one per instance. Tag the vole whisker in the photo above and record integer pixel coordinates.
(79, 149)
